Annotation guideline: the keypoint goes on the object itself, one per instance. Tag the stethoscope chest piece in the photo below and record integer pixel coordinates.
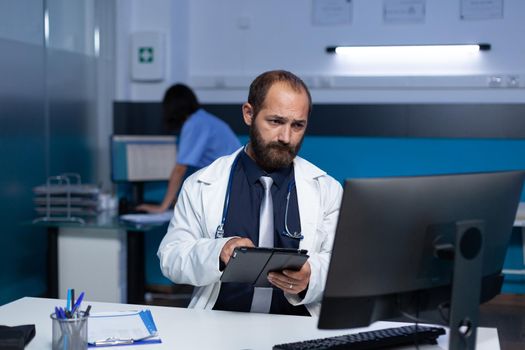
(219, 233)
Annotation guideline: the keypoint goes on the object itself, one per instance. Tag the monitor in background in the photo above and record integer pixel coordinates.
(425, 248)
(138, 158)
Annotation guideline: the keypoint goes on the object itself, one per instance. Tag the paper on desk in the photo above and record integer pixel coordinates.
(136, 325)
(148, 218)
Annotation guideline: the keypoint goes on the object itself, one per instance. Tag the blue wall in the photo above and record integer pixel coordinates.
(345, 157)
(353, 157)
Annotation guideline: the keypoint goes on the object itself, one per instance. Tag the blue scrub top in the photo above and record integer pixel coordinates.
(203, 139)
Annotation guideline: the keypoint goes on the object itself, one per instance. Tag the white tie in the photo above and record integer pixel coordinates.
(262, 297)
(266, 214)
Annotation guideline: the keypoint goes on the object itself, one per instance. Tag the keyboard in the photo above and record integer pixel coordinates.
(378, 339)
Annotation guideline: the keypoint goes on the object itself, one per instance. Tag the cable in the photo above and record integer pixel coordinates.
(414, 318)
(441, 308)
(416, 340)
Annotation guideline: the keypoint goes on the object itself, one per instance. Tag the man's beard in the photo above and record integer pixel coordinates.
(273, 155)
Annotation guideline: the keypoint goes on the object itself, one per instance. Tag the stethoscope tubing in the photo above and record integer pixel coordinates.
(219, 233)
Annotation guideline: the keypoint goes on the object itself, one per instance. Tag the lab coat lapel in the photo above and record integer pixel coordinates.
(214, 182)
(308, 200)
(212, 200)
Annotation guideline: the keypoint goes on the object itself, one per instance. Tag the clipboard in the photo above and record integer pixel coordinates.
(122, 328)
(252, 265)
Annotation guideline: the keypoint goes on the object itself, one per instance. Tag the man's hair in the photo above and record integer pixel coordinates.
(260, 86)
(178, 104)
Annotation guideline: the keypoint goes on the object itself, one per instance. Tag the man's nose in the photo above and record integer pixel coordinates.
(285, 134)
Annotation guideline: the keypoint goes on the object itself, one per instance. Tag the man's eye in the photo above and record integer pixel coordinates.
(275, 121)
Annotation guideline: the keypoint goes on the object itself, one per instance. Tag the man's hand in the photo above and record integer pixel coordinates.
(233, 243)
(292, 282)
(151, 208)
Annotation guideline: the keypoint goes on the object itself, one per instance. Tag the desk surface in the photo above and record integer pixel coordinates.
(520, 215)
(201, 329)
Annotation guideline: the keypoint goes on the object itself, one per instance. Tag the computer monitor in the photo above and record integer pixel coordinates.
(426, 248)
(141, 158)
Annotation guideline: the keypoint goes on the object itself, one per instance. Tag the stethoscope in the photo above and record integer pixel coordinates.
(219, 233)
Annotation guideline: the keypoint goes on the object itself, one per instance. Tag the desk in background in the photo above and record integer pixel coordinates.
(124, 242)
(205, 329)
(104, 257)
(520, 222)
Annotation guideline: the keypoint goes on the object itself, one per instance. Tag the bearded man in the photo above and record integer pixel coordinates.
(220, 208)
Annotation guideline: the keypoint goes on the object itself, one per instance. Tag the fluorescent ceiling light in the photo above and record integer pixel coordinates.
(46, 27)
(408, 49)
(96, 41)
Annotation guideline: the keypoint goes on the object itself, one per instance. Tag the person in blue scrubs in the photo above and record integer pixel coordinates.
(203, 138)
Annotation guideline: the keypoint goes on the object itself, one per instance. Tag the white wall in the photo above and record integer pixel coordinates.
(168, 17)
(218, 47)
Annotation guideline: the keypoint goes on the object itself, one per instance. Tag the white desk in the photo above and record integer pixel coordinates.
(198, 329)
(93, 260)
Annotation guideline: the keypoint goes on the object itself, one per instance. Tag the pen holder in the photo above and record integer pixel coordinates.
(70, 333)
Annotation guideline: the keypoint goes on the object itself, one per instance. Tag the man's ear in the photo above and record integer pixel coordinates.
(247, 113)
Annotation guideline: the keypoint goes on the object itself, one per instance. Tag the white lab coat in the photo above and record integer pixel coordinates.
(189, 253)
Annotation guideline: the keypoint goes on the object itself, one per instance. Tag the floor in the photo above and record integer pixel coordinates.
(506, 312)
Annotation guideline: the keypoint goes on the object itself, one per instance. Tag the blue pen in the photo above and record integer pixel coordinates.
(78, 302)
(68, 304)
(57, 313)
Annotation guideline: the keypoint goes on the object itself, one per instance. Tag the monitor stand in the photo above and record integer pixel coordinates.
(134, 196)
(137, 193)
(467, 253)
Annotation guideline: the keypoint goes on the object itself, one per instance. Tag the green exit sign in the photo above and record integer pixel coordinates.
(146, 54)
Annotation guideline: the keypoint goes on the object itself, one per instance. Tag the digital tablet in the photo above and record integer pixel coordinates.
(252, 265)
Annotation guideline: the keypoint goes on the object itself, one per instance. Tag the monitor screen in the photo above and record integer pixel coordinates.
(137, 158)
(384, 263)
